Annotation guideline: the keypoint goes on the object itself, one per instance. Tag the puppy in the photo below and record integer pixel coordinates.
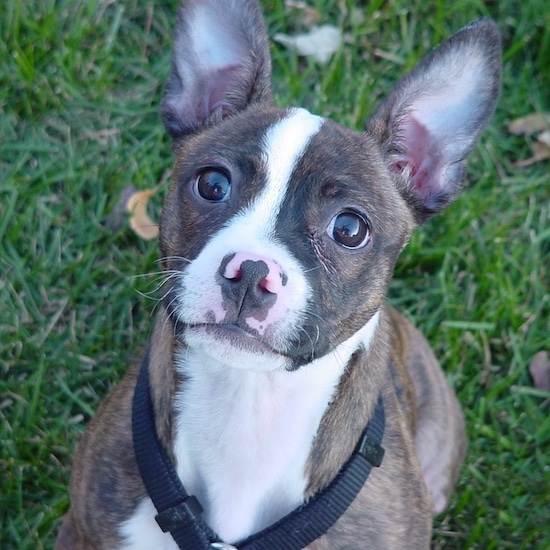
(276, 371)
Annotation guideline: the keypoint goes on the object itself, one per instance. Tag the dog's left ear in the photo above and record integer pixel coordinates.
(433, 118)
(220, 63)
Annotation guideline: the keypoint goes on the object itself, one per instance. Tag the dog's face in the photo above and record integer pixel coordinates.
(281, 229)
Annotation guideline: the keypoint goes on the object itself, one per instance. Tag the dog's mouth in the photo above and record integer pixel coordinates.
(227, 334)
(238, 347)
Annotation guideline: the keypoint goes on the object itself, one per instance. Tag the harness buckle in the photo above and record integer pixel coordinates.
(178, 515)
(371, 451)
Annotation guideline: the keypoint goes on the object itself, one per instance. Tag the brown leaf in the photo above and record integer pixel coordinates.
(140, 221)
(530, 124)
(540, 370)
(541, 151)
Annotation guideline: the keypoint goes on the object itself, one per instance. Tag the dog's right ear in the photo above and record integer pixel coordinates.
(220, 63)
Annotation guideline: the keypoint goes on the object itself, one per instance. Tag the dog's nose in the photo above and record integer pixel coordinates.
(251, 282)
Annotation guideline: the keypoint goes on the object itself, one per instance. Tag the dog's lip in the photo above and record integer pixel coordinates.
(236, 336)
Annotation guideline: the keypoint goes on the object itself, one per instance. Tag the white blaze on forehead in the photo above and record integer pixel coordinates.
(284, 145)
(252, 231)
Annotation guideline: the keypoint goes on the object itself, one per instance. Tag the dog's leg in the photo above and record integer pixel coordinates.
(440, 438)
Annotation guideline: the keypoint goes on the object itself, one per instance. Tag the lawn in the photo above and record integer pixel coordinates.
(80, 85)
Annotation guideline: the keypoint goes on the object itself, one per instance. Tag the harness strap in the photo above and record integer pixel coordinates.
(180, 513)
(314, 518)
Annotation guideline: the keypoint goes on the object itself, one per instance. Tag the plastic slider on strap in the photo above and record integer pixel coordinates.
(180, 514)
(371, 451)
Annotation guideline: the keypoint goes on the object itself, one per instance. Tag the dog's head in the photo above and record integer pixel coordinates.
(281, 229)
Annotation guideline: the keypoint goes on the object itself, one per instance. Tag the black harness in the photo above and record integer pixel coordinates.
(180, 513)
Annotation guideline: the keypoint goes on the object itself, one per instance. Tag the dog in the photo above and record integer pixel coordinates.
(275, 359)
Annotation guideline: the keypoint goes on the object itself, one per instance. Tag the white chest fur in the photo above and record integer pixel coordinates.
(243, 439)
(242, 442)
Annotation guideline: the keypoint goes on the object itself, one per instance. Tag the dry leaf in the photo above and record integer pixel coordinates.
(319, 43)
(541, 151)
(540, 370)
(545, 138)
(140, 221)
(530, 124)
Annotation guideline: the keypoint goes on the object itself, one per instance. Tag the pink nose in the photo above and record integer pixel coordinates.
(269, 279)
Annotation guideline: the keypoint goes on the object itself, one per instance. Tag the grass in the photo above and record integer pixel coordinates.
(80, 85)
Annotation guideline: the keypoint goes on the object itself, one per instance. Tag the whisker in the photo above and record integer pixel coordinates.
(313, 314)
(153, 273)
(312, 269)
(301, 329)
(148, 274)
(170, 313)
(159, 282)
(318, 334)
(172, 258)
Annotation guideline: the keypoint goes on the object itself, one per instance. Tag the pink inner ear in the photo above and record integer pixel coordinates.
(218, 85)
(218, 92)
(419, 155)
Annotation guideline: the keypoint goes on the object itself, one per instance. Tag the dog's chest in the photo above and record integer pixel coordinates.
(243, 439)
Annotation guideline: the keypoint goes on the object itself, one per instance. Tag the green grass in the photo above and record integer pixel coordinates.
(80, 85)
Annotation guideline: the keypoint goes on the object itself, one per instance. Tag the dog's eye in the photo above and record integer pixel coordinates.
(213, 185)
(349, 229)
